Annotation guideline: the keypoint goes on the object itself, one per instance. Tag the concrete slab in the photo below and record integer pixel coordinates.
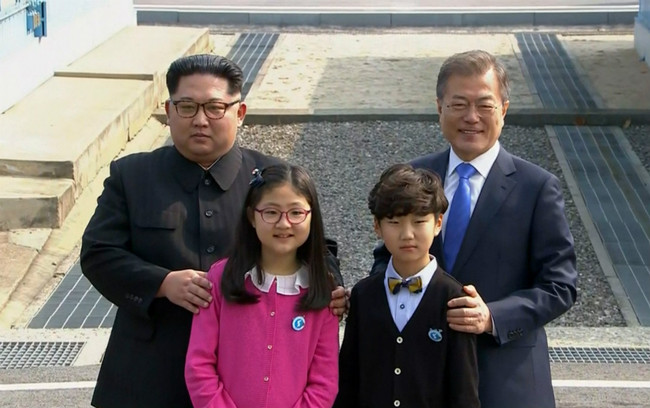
(34, 202)
(59, 250)
(142, 52)
(76, 126)
(599, 56)
(392, 73)
(16, 260)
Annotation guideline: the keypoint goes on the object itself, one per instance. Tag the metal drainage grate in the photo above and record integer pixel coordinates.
(75, 303)
(600, 355)
(552, 72)
(249, 52)
(38, 354)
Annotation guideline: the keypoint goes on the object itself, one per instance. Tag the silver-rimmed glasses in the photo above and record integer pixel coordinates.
(483, 109)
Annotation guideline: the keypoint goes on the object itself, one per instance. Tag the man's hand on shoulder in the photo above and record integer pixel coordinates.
(340, 303)
(469, 314)
(188, 288)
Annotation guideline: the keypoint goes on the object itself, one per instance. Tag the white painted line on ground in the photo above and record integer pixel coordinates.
(600, 384)
(47, 386)
(556, 383)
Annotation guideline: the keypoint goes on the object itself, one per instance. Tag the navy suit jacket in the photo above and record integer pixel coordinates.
(518, 252)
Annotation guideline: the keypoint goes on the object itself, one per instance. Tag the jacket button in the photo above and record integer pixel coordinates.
(207, 182)
(397, 403)
(210, 249)
(398, 371)
(400, 340)
(208, 213)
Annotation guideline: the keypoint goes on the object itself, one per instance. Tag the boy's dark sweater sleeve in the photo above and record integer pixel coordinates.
(461, 374)
(333, 262)
(382, 256)
(348, 396)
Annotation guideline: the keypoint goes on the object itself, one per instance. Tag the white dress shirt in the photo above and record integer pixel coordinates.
(483, 164)
(403, 304)
(287, 284)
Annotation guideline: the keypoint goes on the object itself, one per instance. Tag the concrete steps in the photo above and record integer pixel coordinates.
(28, 202)
(54, 141)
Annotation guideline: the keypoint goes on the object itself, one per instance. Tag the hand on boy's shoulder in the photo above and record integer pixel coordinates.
(469, 314)
(340, 303)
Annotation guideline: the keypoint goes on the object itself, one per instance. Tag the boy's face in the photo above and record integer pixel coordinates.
(408, 238)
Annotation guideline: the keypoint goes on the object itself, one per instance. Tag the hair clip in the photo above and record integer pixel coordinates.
(256, 179)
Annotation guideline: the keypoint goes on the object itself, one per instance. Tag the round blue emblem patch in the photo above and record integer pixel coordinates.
(298, 323)
(435, 335)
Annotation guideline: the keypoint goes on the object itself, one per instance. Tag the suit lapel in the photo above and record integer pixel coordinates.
(497, 187)
(439, 165)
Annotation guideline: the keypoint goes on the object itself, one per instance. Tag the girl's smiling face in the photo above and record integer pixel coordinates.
(282, 238)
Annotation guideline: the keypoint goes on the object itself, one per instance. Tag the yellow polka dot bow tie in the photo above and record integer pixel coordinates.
(413, 284)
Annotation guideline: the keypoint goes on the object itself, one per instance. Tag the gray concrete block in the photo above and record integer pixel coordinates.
(625, 17)
(34, 203)
(207, 18)
(157, 17)
(491, 19)
(559, 19)
(426, 20)
(285, 19)
(356, 20)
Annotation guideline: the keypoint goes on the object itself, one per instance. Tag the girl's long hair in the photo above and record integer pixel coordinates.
(246, 250)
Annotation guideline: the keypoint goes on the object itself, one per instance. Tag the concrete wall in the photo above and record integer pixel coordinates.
(74, 27)
(642, 31)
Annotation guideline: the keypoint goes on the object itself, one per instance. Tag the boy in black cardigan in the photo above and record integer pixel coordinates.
(398, 349)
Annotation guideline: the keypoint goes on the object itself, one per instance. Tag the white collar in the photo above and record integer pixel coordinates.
(425, 273)
(482, 164)
(287, 284)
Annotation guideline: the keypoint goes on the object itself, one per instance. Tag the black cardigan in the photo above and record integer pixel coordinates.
(425, 365)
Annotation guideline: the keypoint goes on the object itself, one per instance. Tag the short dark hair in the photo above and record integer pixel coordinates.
(246, 251)
(211, 64)
(404, 190)
(476, 62)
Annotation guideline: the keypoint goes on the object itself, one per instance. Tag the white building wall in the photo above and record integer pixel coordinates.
(642, 31)
(74, 27)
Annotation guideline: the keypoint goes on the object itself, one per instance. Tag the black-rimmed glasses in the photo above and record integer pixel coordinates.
(273, 216)
(483, 109)
(213, 109)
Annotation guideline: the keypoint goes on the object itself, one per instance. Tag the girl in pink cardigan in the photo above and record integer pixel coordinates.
(268, 338)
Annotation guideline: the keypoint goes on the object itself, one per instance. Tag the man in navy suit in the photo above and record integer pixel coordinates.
(516, 255)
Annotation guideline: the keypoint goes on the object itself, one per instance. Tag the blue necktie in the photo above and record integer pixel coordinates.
(458, 216)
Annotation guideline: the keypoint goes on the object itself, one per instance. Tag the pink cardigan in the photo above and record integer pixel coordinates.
(250, 356)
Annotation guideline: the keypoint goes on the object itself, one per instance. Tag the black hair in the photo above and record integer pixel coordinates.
(403, 190)
(211, 64)
(468, 63)
(246, 251)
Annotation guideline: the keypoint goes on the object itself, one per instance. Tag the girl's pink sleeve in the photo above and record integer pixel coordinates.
(203, 383)
(323, 377)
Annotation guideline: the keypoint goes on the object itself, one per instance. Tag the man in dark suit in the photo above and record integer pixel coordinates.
(514, 250)
(163, 219)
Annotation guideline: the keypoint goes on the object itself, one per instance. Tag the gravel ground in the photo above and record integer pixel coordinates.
(347, 158)
(639, 138)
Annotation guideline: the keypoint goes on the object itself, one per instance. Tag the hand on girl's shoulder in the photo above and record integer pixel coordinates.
(216, 272)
